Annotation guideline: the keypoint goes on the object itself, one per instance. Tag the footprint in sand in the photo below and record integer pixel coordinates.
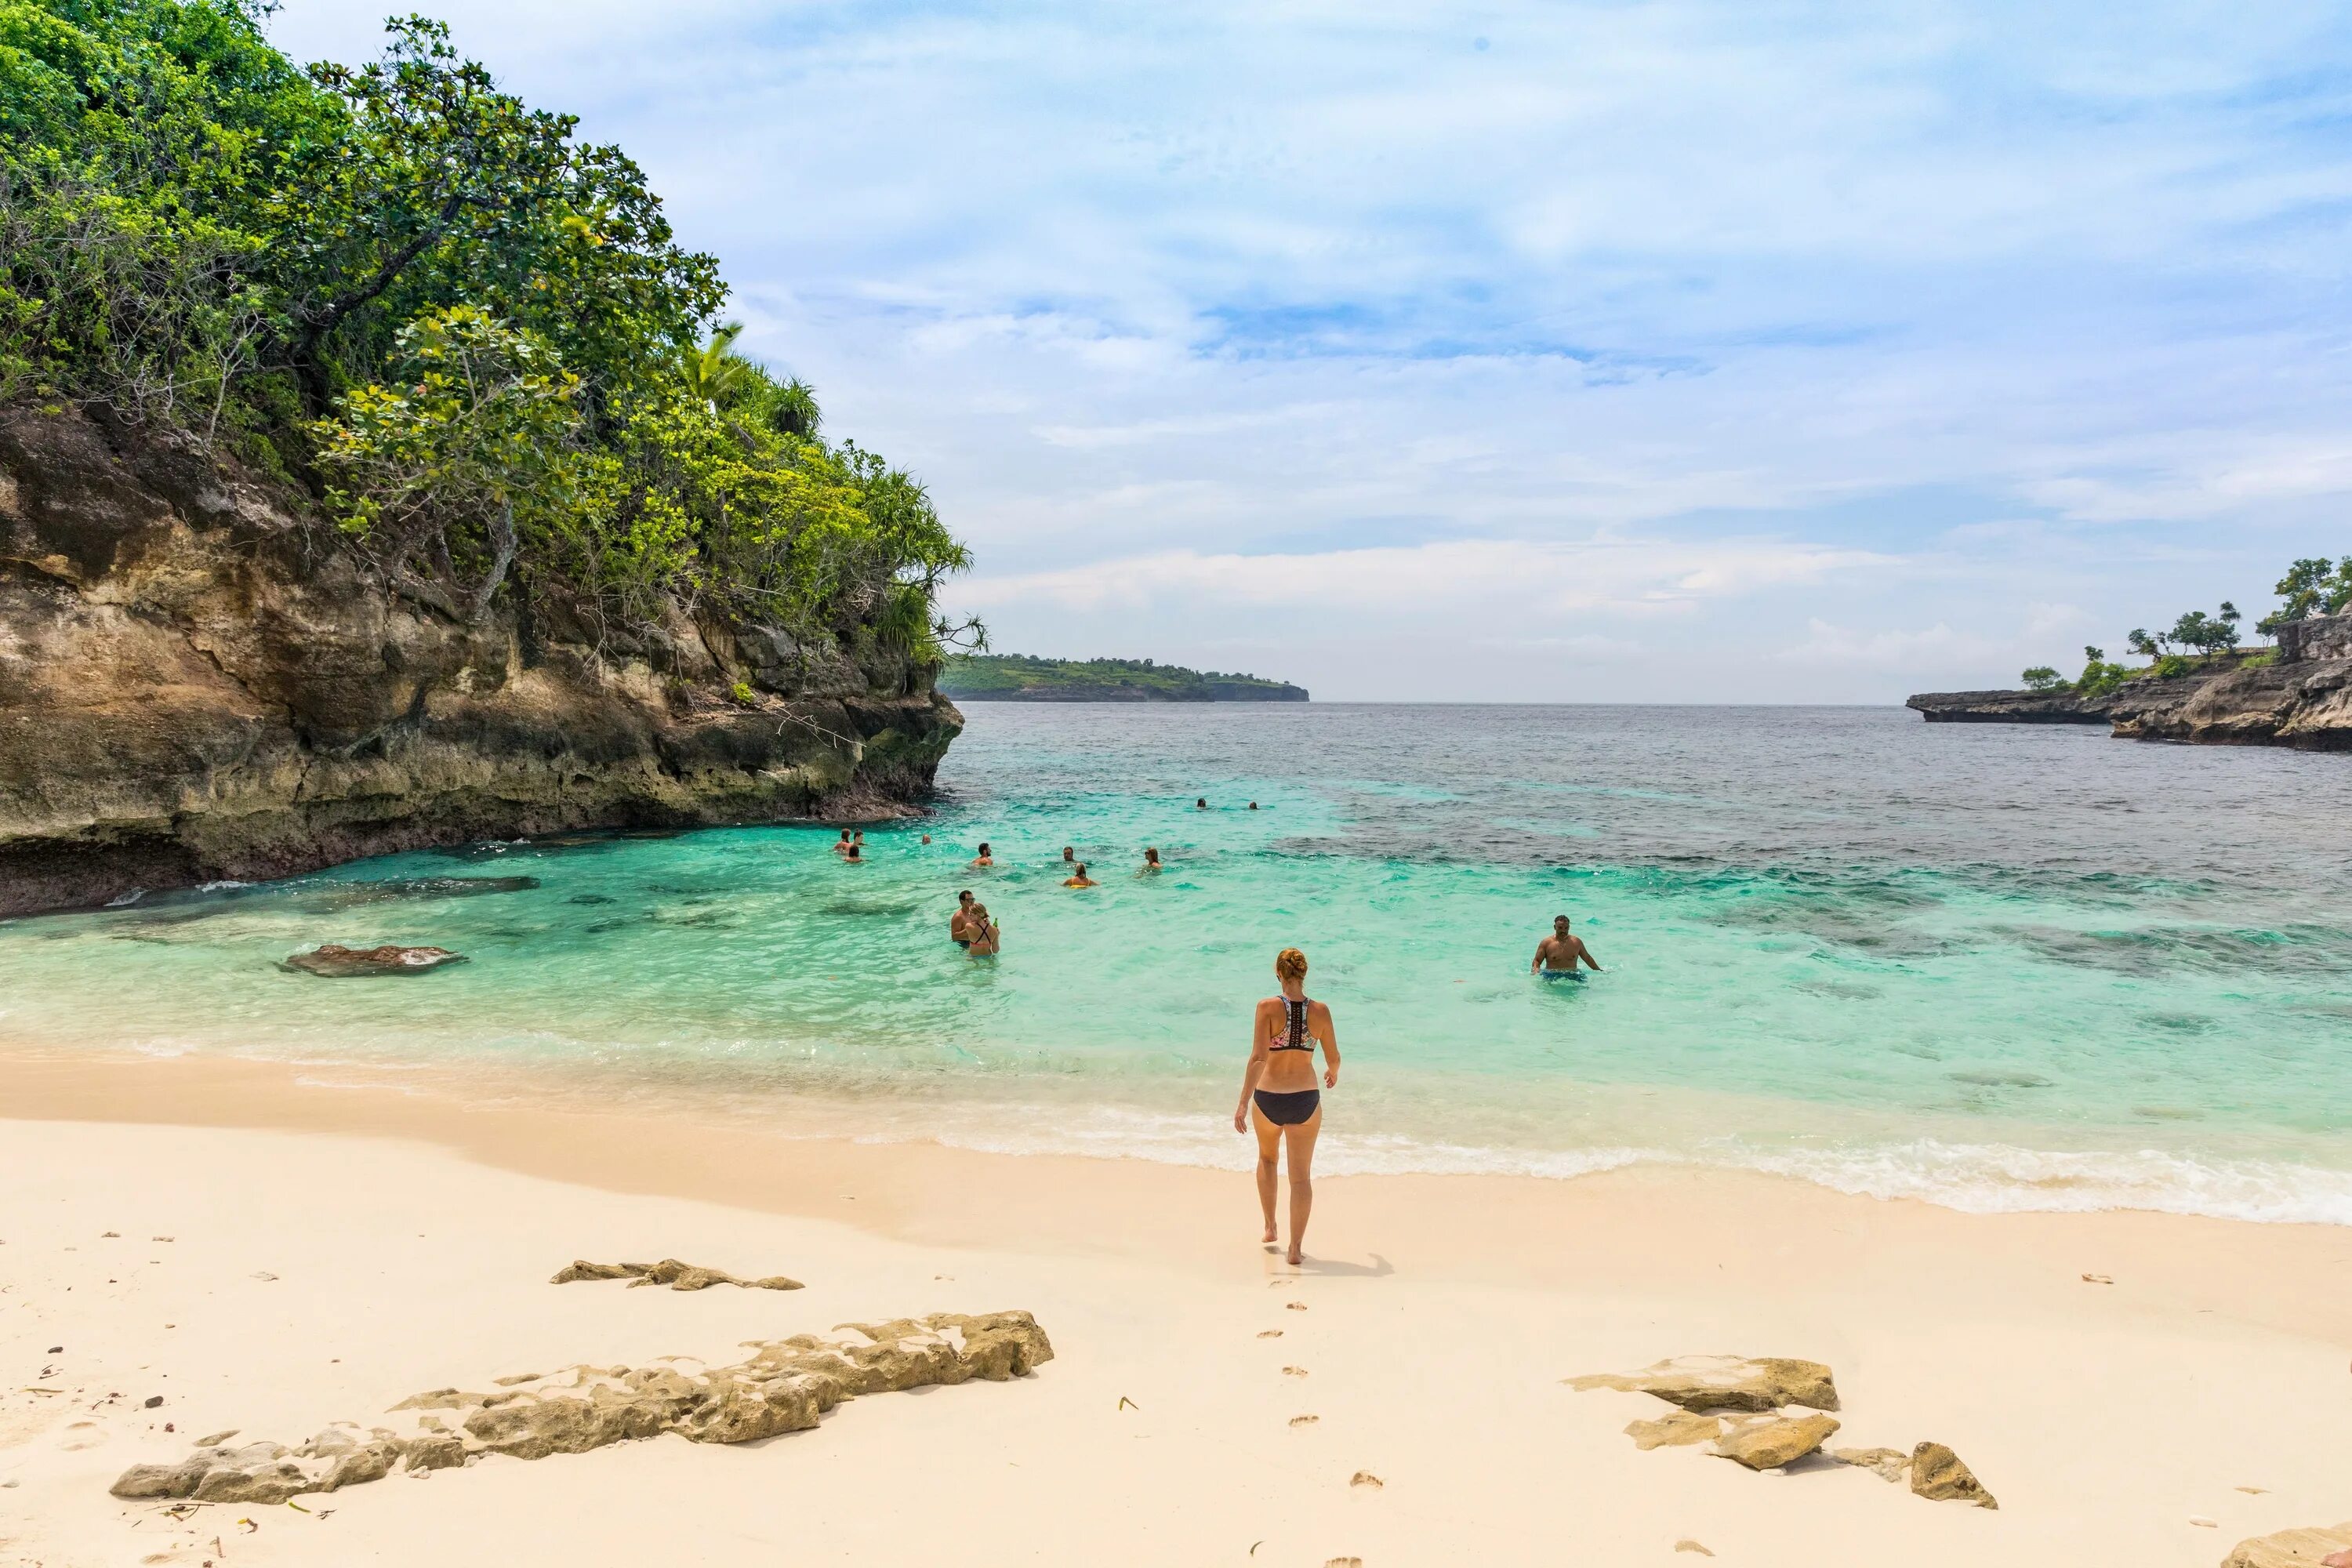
(1294, 1372)
(83, 1435)
(1296, 1306)
(1269, 1333)
(1305, 1420)
(1366, 1479)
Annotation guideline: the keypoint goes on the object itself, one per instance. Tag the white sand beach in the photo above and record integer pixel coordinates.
(272, 1256)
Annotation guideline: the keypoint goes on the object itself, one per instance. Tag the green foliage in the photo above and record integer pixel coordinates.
(2312, 587)
(476, 335)
(2171, 667)
(2042, 678)
(2099, 677)
(2207, 635)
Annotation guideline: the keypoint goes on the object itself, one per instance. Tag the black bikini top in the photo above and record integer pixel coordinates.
(1294, 1037)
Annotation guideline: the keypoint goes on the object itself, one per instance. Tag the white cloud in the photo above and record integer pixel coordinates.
(1789, 322)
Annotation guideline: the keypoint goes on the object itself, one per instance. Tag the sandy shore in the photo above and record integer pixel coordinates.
(334, 1250)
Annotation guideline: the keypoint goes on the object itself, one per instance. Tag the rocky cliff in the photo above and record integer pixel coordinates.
(200, 681)
(2302, 700)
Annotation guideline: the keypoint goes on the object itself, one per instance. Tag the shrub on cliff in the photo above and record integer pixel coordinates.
(2042, 678)
(474, 336)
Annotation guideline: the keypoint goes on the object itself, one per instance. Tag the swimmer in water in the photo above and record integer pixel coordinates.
(1078, 877)
(927, 838)
(1201, 804)
(842, 846)
(960, 922)
(983, 860)
(987, 936)
(1253, 805)
(1560, 952)
(857, 856)
(1151, 865)
(1069, 856)
(858, 841)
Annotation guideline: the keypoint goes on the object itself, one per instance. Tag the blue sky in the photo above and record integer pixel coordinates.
(1660, 351)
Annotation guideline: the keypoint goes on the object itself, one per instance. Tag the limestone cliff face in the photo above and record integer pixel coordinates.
(2304, 700)
(197, 681)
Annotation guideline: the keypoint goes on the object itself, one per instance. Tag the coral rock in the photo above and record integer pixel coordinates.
(1768, 1443)
(2310, 1548)
(1725, 1383)
(1682, 1428)
(1937, 1474)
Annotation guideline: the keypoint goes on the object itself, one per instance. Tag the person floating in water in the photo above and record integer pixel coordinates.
(1151, 867)
(1201, 804)
(841, 846)
(858, 842)
(960, 922)
(1078, 877)
(857, 856)
(987, 936)
(1278, 1093)
(1069, 854)
(1253, 805)
(1560, 952)
(927, 838)
(982, 860)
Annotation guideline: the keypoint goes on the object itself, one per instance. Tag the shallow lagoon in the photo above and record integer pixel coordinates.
(2001, 967)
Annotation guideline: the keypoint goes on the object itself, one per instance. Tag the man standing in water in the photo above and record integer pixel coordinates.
(960, 922)
(1558, 952)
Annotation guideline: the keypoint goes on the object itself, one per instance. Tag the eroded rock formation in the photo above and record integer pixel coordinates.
(2312, 1548)
(785, 1385)
(199, 681)
(669, 1272)
(1938, 1475)
(2303, 699)
(1734, 1404)
(1725, 1383)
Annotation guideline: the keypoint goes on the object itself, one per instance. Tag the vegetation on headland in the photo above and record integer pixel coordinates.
(471, 337)
(982, 677)
(2197, 642)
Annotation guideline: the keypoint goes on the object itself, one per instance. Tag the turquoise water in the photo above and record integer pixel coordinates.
(1998, 967)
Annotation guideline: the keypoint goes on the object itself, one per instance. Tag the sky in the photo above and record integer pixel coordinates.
(1641, 350)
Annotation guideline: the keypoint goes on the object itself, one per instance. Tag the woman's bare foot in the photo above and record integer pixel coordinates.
(1269, 1237)
(1295, 1257)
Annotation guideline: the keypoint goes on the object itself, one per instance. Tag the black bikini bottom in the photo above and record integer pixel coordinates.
(1288, 1109)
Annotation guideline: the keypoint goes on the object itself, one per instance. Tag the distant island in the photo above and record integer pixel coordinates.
(1019, 678)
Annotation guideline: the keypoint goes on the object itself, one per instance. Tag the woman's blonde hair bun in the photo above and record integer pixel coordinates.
(1290, 964)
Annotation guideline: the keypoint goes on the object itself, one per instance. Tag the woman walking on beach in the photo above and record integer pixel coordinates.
(1279, 1092)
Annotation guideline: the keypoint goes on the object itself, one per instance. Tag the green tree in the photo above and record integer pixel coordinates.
(2042, 678)
(2312, 587)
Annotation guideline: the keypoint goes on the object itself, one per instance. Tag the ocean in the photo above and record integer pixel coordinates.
(1993, 967)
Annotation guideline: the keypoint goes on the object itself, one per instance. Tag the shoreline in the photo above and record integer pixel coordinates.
(333, 1249)
(926, 1192)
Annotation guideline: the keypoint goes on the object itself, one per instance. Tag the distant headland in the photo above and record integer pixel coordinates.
(1020, 677)
(2198, 685)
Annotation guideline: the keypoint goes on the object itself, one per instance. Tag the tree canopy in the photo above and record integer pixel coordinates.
(472, 335)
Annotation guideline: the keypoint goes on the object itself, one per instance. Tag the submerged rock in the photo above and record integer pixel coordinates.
(1769, 1442)
(785, 1386)
(1725, 1383)
(669, 1272)
(2309, 1548)
(336, 962)
(1938, 1475)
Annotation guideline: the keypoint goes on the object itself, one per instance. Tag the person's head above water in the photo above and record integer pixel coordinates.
(844, 836)
(1559, 925)
(1253, 805)
(964, 897)
(983, 849)
(1290, 967)
(1068, 853)
(1151, 857)
(1201, 804)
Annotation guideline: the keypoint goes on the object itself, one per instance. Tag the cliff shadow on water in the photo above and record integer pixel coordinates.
(202, 679)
